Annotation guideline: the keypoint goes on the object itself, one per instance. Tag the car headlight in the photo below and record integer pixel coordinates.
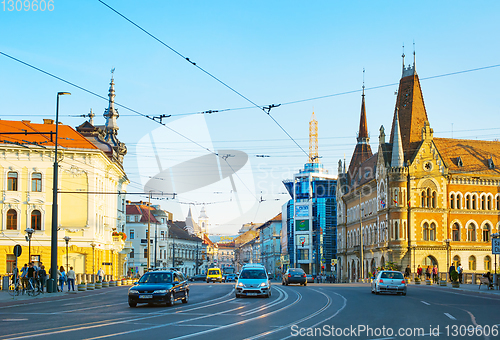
(131, 292)
(263, 284)
(240, 284)
(160, 291)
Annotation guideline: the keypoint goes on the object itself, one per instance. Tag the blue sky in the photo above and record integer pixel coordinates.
(271, 52)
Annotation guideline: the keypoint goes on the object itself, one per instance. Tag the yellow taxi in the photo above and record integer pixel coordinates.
(214, 275)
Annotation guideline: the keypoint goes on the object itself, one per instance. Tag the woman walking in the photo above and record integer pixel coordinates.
(62, 277)
(71, 279)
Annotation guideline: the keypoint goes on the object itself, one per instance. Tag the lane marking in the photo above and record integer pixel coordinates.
(15, 320)
(425, 303)
(450, 316)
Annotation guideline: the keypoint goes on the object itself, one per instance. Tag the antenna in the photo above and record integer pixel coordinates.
(414, 58)
(363, 81)
(403, 56)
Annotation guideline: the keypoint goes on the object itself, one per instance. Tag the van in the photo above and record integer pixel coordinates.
(214, 275)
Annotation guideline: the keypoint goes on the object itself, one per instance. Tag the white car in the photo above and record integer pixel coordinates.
(389, 281)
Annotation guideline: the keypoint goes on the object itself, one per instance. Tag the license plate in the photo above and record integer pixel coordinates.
(145, 296)
(297, 275)
(252, 294)
(392, 287)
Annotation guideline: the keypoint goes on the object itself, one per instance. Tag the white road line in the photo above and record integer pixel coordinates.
(426, 303)
(450, 316)
(15, 320)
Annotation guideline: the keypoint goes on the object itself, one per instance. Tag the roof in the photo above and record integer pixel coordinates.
(475, 155)
(143, 210)
(412, 114)
(68, 138)
(276, 218)
(367, 170)
(179, 233)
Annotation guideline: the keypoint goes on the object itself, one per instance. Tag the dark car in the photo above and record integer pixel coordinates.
(294, 275)
(157, 287)
(198, 277)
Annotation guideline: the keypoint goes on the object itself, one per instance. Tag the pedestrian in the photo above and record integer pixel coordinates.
(100, 274)
(62, 277)
(435, 273)
(419, 272)
(24, 276)
(407, 272)
(42, 276)
(428, 272)
(71, 279)
(15, 276)
(31, 275)
(460, 271)
(451, 270)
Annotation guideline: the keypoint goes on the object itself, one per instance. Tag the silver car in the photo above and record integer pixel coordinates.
(389, 281)
(253, 281)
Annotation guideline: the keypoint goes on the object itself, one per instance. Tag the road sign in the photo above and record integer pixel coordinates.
(18, 250)
(495, 245)
(107, 264)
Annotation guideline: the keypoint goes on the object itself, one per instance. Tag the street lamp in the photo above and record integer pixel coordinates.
(447, 241)
(67, 238)
(55, 184)
(29, 232)
(93, 261)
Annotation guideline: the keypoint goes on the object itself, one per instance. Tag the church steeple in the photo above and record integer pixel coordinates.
(111, 114)
(397, 147)
(363, 128)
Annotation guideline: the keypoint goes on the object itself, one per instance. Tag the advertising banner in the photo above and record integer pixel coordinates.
(302, 225)
(302, 210)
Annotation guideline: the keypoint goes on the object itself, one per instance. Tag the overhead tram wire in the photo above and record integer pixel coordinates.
(209, 74)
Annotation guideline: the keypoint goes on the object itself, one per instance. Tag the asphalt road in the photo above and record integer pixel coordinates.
(316, 311)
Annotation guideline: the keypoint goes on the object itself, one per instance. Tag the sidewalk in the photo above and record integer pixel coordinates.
(463, 287)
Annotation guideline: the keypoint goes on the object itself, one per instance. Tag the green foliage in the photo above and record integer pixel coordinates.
(454, 276)
(392, 266)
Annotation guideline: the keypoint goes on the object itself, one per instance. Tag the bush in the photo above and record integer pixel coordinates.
(454, 276)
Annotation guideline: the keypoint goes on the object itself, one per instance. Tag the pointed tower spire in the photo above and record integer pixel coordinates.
(313, 140)
(111, 114)
(363, 128)
(397, 145)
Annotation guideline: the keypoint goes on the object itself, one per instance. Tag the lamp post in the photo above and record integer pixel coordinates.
(53, 238)
(67, 238)
(93, 261)
(447, 256)
(29, 233)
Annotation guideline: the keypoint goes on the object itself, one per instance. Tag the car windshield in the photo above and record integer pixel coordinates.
(156, 278)
(253, 274)
(213, 272)
(391, 275)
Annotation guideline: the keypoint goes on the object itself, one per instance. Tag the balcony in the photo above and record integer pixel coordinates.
(118, 243)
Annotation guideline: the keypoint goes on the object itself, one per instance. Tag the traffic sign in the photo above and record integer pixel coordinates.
(495, 245)
(18, 250)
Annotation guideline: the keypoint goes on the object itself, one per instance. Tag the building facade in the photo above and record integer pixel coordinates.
(270, 245)
(420, 200)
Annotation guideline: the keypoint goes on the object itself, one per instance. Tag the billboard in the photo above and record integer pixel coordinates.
(302, 225)
(302, 238)
(302, 210)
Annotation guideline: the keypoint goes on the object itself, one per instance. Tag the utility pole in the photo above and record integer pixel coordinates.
(173, 252)
(196, 259)
(149, 232)
(156, 243)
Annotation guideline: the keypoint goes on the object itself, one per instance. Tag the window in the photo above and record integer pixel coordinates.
(11, 219)
(456, 261)
(36, 220)
(426, 232)
(303, 254)
(459, 201)
(423, 199)
(131, 234)
(434, 201)
(455, 232)
(490, 203)
(162, 235)
(36, 182)
(483, 203)
(486, 232)
(487, 263)
(498, 202)
(145, 253)
(429, 197)
(474, 202)
(452, 201)
(472, 263)
(131, 254)
(137, 218)
(467, 201)
(12, 181)
(432, 232)
(396, 230)
(11, 262)
(471, 232)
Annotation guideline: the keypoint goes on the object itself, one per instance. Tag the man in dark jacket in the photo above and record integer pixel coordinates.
(407, 272)
(451, 270)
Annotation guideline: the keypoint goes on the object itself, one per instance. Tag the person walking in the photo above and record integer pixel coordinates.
(31, 276)
(451, 270)
(435, 273)
(419, 272)
(62, 277)
(407, 272)
(24, 276)
(42, 276)
(71, 279)
(100, 274)
(460, 271)
(428, 272)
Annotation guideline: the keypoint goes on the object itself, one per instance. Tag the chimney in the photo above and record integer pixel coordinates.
(48, 121)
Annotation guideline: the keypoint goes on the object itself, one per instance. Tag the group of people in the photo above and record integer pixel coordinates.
(431, 273)
(38, 275)
(459, 269)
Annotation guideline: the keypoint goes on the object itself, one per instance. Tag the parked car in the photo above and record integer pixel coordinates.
(389, 281)
(294, 275)
(198, 277)
(310, 278)
(253, 281)
(159, 286)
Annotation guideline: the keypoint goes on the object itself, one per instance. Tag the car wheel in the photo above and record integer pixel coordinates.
(207, 281)
(186, 297)
(377, 293)
(404, 293)
(132, 304)
(171, 299)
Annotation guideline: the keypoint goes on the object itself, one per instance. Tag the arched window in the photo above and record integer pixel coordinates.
(486, 232)
(472, 263)
(487, 263)
(424, 199)
(459, 201)
(455, 232)
(11, 219)
(12, 181)
(452, 201)
(490, 203)
(429, 197)
(36, 220)
(498, 202)
(432, 232)
(456, 261)
(471, 232)
(426, 232)
(396, 230)
(467, 202)
(483, 202)
(474, 202)
(434, 203)
(36, 182)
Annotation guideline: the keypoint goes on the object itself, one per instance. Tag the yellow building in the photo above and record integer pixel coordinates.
(419, 200)
(91, 202)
